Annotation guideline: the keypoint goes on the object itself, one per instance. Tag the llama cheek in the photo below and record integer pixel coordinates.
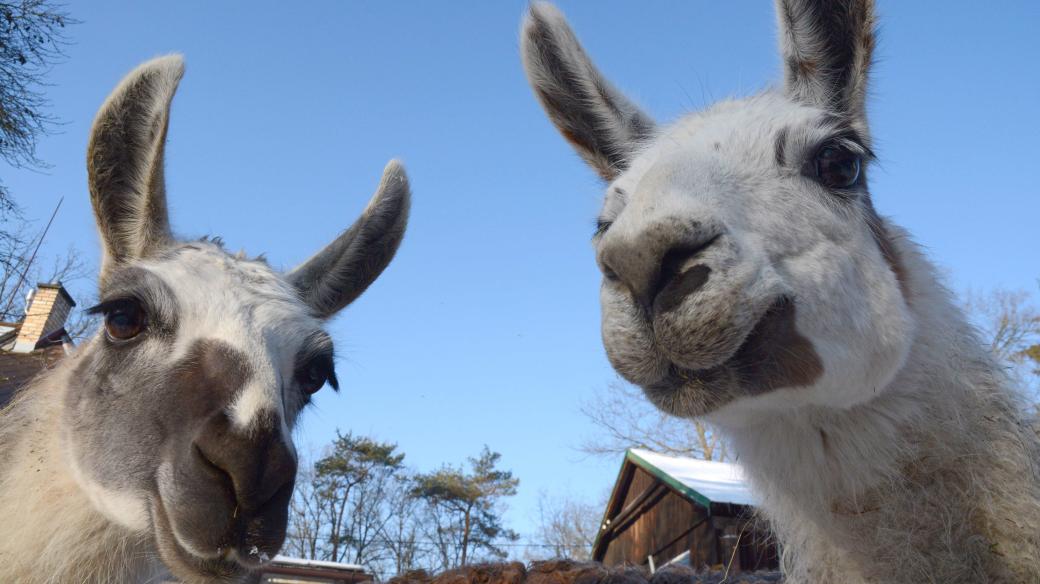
(122, 507)
(866, 339)
(125, 509)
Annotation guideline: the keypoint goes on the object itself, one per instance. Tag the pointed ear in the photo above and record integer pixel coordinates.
(125, 163)
(338, 274)
(601, 123)
(827, 46)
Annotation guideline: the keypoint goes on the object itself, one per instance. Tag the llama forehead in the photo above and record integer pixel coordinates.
(221, 294)
(740, 136)
(737, 160)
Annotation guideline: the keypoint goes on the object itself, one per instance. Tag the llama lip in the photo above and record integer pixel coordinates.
(678, 374)
(182, 562)
(773, 355)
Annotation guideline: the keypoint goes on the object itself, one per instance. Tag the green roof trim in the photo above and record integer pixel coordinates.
(668, 479)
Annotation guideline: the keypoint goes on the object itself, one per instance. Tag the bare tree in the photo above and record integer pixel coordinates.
(625, 419)
(355, 505)
(348, 480)
(401, 533)
(358, 503)
(307, 517)
(566, 529)
(32, 40)
(1010, 324)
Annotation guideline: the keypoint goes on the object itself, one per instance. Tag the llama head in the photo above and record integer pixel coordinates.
(744, 266)
(179, 420)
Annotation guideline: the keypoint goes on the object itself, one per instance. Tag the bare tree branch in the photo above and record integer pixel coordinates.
(625, 419)
(1010, 324)
(32, 40)
(567, 528)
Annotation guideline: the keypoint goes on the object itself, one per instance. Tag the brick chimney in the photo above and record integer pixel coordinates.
(45, 313)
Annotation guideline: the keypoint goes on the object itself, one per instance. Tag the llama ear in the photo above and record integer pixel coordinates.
(338, 274)
(827, 48)
(601, 123)
(125, 163)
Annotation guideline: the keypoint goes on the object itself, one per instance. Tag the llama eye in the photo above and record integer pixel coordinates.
(837, 167)
(125, 320)
(315, 374)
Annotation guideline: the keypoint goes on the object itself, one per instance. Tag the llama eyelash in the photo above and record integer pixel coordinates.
(110, 305)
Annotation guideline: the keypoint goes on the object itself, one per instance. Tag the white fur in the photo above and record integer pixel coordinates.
(897, 453)
(62, 533)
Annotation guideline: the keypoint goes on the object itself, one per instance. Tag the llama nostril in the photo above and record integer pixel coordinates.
(672, 266)
(215, 470)
(673, 294)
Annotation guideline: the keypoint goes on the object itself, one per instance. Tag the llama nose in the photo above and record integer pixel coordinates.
(657, 273)
(260, 466)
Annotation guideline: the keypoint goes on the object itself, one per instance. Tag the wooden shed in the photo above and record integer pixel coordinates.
(668, 509)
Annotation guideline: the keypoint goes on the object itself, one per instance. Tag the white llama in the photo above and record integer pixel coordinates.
(748, 280)
(163, 447)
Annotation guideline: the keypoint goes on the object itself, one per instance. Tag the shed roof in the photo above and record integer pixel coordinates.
(279, 559)
(704, 481)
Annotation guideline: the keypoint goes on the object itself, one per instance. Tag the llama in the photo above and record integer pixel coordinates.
(748, 280)
(162, 448)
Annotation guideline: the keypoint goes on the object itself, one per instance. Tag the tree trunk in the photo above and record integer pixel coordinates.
(465, 537)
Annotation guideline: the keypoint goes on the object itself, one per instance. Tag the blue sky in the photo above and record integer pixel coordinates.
(485, 329)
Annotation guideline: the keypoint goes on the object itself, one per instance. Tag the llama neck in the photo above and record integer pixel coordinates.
(50, 531)
(933, 480)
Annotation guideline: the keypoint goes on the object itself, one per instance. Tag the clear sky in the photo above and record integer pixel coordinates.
(485, 328)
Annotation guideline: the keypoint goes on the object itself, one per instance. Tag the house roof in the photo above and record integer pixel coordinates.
(704, 481)
(17, 369)
(285, 569)
(286, 560)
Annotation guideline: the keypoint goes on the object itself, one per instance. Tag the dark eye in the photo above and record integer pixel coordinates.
(314, 374)
(837, 167)
(125, 320)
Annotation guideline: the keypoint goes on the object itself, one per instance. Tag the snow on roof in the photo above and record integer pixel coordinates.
(718, 482)
(316, 563)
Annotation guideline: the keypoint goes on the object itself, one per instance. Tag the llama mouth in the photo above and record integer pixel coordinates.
(183, 563)
(774, 355)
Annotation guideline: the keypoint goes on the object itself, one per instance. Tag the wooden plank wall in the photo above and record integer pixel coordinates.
(655, 520)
